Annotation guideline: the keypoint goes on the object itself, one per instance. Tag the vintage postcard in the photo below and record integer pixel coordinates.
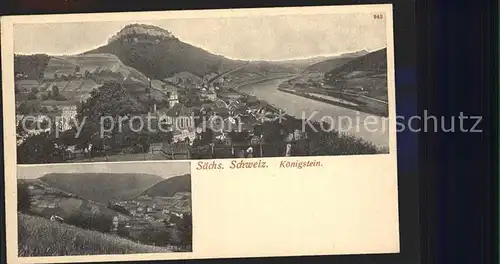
(279, 121)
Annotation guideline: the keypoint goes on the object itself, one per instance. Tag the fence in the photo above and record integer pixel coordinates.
(324, 144)
(299, 148)
(176, 150)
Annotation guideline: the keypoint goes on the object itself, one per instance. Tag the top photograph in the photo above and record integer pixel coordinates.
(187, 87)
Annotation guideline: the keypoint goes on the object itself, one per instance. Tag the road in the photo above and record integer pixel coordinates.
(226, 73)
(369, 127)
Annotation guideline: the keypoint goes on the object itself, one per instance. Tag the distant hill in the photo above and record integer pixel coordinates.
(157, 53)
(170, 186)
(300, 65)
(367, 73)
(374, 62)
(102, 187)
(334, 62)
(49, 200)
(67, 240)
(327, 65)
(267, 67)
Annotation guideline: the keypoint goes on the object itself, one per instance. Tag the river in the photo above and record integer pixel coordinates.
(369, 127)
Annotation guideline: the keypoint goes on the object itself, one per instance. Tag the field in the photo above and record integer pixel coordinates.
(41, 237)
(94, 63)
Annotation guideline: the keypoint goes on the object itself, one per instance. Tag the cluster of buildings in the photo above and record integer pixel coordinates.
(144, 211)
(162, 211)
(222, 110)
(143, 205)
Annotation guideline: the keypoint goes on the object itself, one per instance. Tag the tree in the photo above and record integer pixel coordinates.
(272, 132)
(44, 96)
(205, 138)
(111, 101)
(55, 91)
(185, 228)
(24, 198)
(32, 96)
(166, 137)
(68, 137)
(236, 136)
(123, 231)
(98, 222)
(118, 208)
(38, 149)
(35, 90)
(22, 108)
(146, 236)
(290, 125)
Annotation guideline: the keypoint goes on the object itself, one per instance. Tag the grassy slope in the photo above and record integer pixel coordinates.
(102, 187)
(331, 63)
(374, 62)
(170, 186)
(41, 237)
(94, 63)
(67, 205)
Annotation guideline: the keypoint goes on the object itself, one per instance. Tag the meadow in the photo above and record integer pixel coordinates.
(40, 237)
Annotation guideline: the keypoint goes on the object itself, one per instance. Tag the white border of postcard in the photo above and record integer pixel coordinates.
(382, 163)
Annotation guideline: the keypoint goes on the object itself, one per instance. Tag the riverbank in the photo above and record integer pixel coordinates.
(351, 105)
(371, 128)
(284, 77)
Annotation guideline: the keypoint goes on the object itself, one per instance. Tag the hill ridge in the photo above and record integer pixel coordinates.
(102, 187)
(168, 187)
(136, 29)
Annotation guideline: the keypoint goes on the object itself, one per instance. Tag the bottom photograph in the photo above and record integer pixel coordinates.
(99, 209)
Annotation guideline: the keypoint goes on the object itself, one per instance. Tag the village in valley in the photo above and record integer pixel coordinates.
(189, 107)
(196, 111)
(152, 220)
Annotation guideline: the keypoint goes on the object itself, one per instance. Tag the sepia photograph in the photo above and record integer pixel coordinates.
(120, 126)
(201, 88)
(100, 209)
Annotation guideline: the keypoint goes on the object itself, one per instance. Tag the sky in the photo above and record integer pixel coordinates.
(162, 169)
(247, 38)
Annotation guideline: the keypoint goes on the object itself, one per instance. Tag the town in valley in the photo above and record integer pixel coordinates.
(205, 106)
(146, 211)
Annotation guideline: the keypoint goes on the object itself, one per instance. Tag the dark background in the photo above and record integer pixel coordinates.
(446, 63)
